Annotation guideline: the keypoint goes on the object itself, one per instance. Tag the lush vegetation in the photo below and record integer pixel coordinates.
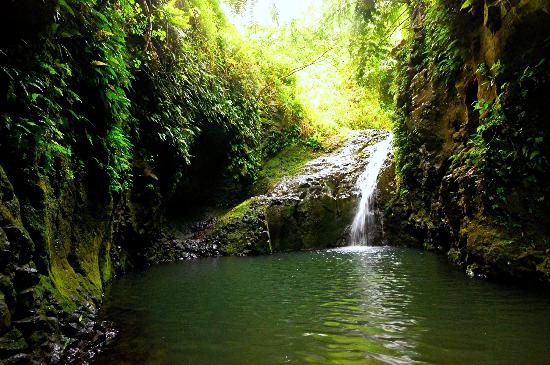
(129, 88)
(504, 145)
(163, 96)
(116, 113)
(126, 87)
(339, 55)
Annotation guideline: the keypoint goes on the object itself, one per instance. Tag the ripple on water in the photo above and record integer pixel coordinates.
(351, 305)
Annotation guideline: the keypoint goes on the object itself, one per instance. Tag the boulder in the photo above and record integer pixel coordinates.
(12, 343)
(243, 230)
(25, 277)
(5, 315)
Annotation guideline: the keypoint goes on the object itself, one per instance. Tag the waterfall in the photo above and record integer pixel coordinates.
(364, 220)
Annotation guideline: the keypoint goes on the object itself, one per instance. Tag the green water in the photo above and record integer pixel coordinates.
(363, 306)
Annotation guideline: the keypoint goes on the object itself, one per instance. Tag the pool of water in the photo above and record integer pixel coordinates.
(349, 306)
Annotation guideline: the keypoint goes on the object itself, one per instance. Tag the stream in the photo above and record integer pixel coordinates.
(355, 305)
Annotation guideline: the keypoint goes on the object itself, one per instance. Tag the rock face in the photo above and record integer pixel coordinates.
(57, 241)
(310, 210)
(471, 136)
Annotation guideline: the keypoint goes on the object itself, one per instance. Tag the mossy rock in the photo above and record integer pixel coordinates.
(311, 223)
(284, 229)
(12, 343)
(9, 204)
(260, 225)
(243, 229)
(5, 315)
(288, 162)
(500, 252)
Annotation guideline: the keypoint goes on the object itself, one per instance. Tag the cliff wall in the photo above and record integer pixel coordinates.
(472, 130)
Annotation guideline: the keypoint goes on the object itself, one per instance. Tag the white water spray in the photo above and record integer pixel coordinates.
(364, 218)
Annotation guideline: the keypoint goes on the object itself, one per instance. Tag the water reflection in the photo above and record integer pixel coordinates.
(355, 305)
(371, 321)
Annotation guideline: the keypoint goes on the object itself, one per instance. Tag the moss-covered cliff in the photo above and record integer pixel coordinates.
(472, 135)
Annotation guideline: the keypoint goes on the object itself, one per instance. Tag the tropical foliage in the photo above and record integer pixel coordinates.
(114, 86)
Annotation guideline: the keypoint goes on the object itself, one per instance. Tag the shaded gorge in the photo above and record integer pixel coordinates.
(355, 305)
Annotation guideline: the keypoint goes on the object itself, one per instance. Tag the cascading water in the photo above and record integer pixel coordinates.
(364, 220)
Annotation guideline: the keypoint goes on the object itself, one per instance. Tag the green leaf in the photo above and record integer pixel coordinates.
(48, 68)
(63, 4)
(99, 63)
(466, 4)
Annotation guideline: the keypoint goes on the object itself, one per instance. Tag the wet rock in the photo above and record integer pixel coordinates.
(37, 330)
(21, 245)
(19, 359)
(12, 343)
(82, 350)
(241, 229)
(71, 329)
(25, 277)
(53, 323)
(6, 257)
(56, 353)
(309, 210)
(26, 302)
(27, 325)
(5, 315)
(314, 209)
(7, 196)
(3, 239)
(6, 287)
(39, 338)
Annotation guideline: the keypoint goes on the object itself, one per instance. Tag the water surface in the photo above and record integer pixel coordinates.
(350, 306)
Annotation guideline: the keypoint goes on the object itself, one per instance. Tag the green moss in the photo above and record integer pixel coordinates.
(500, 251)
(12, 342)
(87, 253)
(105, 264)
(9, 205)
(235, 213)
(68, 288)
(73, 248)
(288, 162)
(243, 228)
